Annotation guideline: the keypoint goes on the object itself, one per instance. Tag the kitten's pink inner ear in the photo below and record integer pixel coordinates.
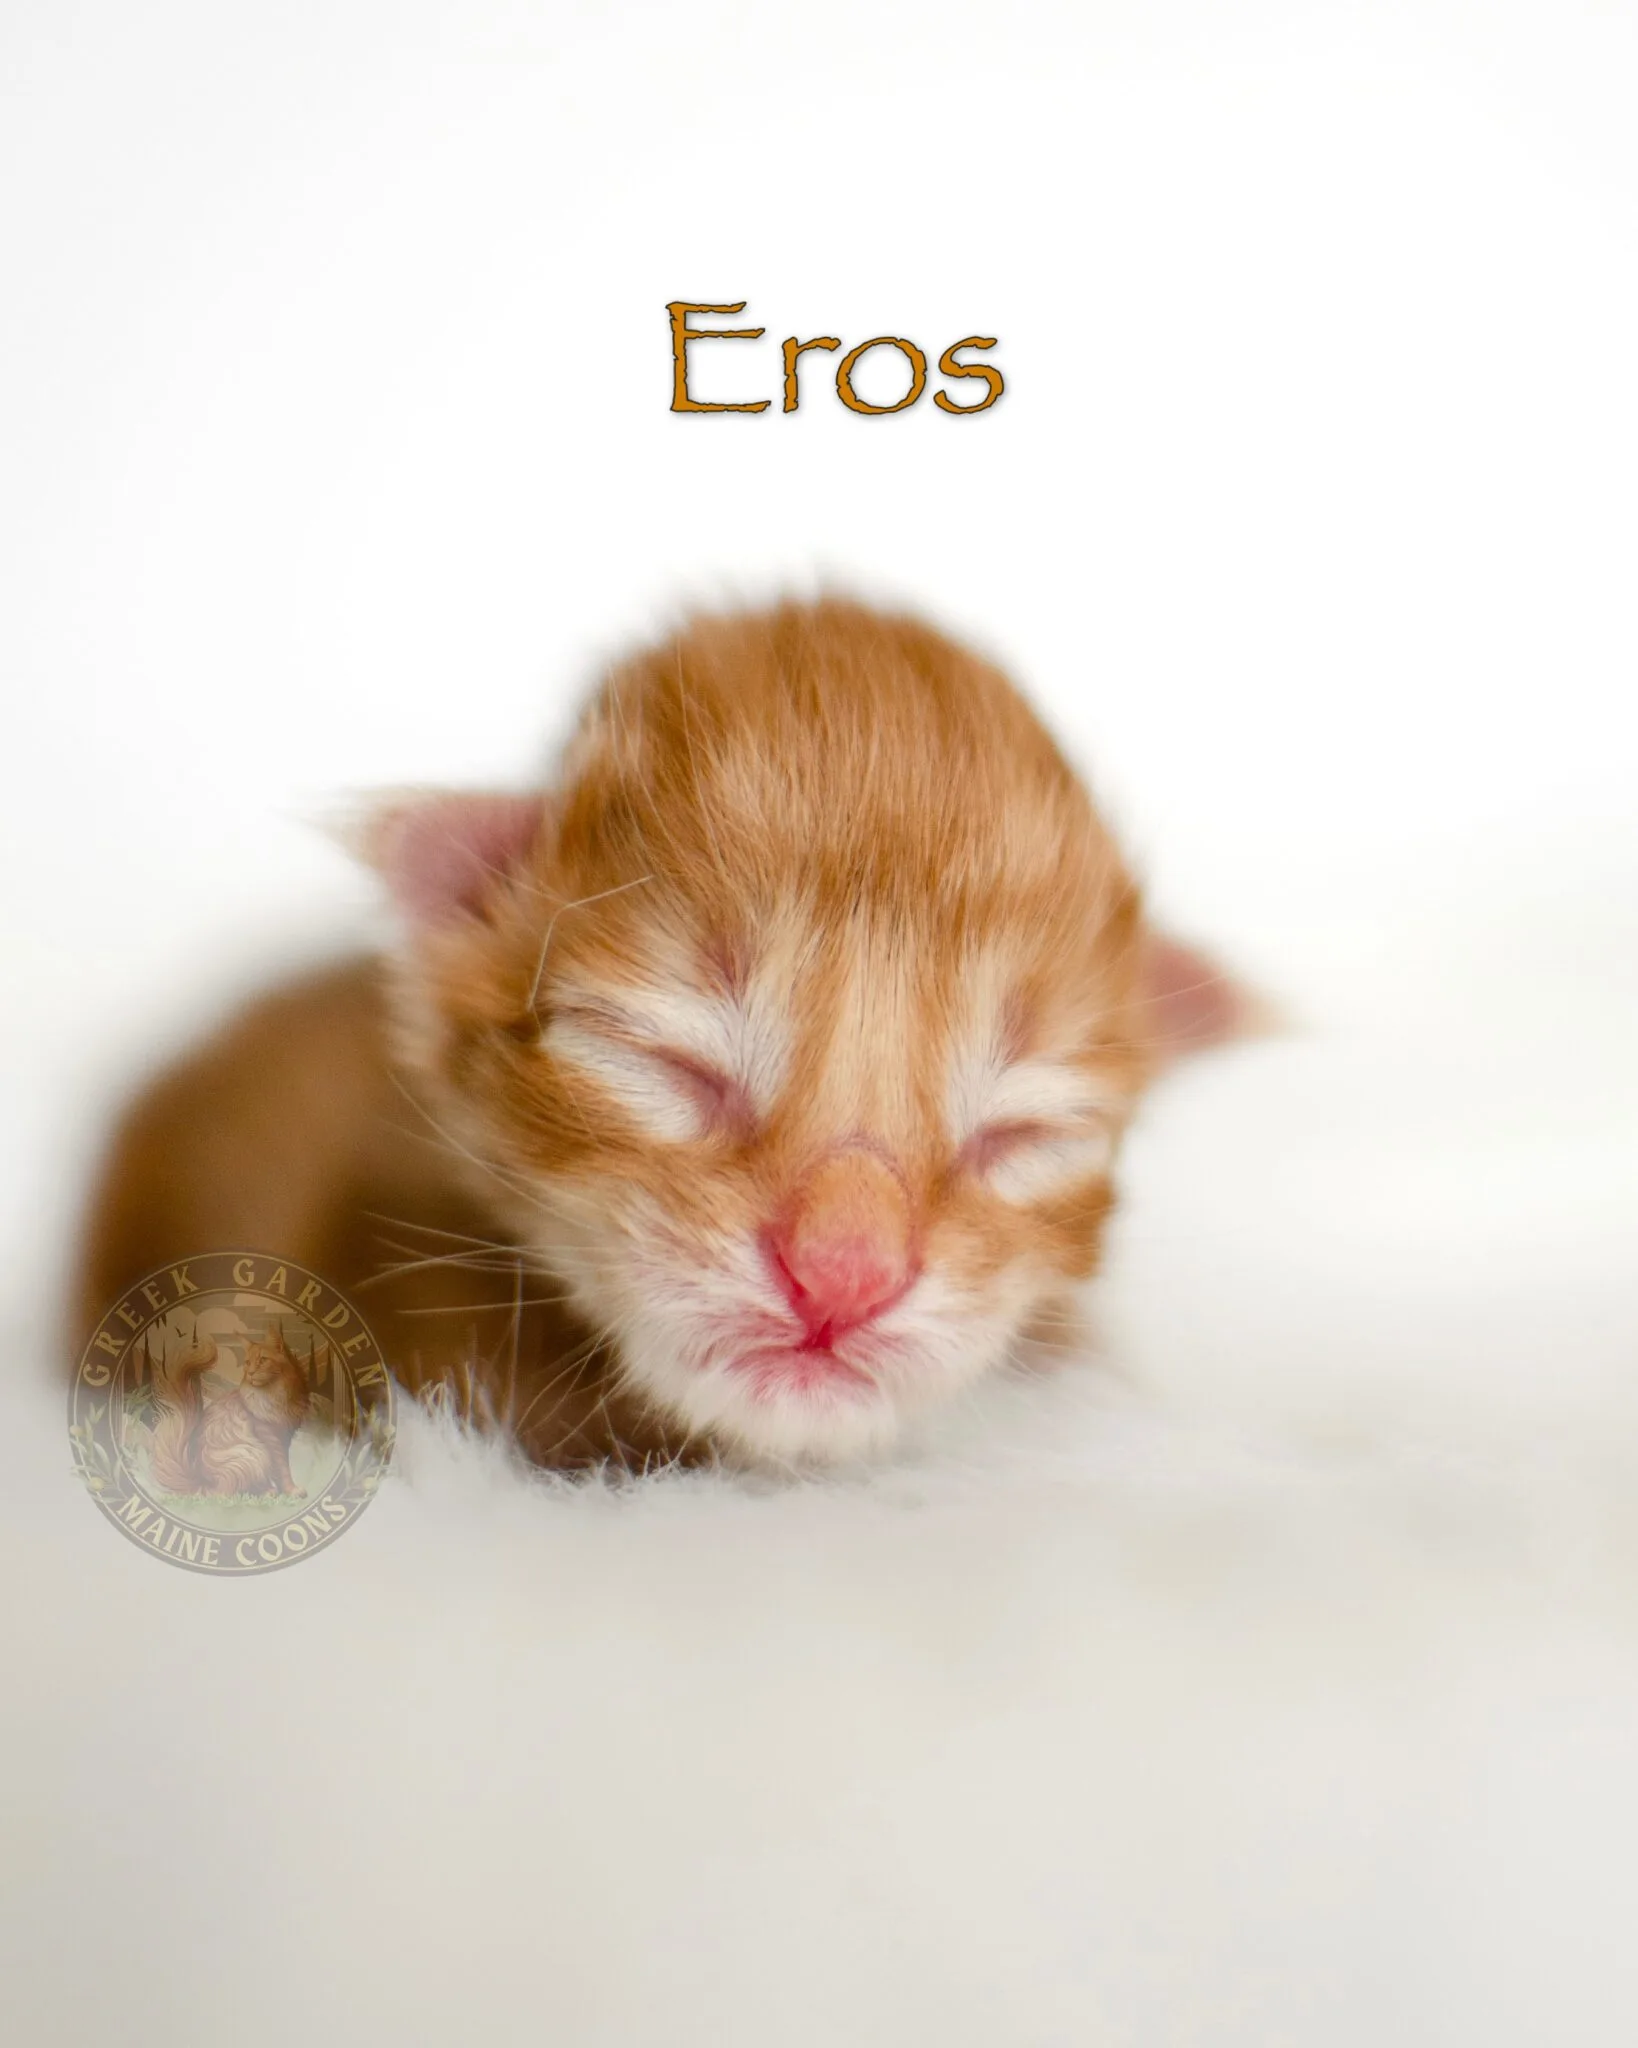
(441, 854)
(1189, 1002)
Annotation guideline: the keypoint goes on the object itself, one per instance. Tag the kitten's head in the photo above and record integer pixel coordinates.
(796, 1027)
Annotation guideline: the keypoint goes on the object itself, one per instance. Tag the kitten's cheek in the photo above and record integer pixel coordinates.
(1078, 1233)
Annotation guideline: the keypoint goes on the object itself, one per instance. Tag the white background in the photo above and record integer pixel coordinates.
(337, 452)
(338, 448)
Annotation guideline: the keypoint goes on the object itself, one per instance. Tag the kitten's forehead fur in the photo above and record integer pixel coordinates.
(824, 774)
(810, 787)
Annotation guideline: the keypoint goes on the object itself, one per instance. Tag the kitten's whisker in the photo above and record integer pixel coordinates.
(583, 1355)
(479, 1258)
(454, 1145)
(517, 1327)
(436, 1230)
(466, 1261)
(579, 903)
(473, 1308)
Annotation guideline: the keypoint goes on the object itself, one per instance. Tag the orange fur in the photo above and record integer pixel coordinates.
(816, 933)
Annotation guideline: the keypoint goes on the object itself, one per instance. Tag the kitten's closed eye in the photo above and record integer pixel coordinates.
(670, 1093)
(1035, 1127)
(721, 1101)
(681, 1097)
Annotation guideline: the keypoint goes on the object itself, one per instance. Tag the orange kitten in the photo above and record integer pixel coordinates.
(790, 1035)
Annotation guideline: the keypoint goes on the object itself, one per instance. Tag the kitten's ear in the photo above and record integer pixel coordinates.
(442, 852)
(1189, 1002)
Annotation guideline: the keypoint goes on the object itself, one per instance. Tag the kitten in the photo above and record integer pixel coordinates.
(774, 1060)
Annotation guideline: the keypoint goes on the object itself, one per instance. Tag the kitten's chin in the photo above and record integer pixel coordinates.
(780, 1412)
(741, 1380)
(798, 1430)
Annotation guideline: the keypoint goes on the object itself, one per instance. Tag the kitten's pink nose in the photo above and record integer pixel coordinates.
(842, 1251)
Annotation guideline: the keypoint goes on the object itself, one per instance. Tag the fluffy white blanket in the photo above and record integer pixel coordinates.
(1274, 1679)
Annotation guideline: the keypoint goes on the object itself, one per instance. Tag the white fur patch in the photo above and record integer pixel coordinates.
(746, 1038)
(655, 1099)
(1041, 1091)
(984, 1089)
(1035, 1168)
(621, 1039)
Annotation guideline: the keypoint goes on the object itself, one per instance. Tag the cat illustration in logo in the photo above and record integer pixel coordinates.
(239, 1442)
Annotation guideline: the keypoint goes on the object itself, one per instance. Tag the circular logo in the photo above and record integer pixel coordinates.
(232, 1413)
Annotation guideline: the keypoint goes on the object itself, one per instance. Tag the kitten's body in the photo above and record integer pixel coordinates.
(755, 1084)
(351, 1179)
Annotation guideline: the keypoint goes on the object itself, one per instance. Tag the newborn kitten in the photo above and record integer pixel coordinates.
(785, 1044)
